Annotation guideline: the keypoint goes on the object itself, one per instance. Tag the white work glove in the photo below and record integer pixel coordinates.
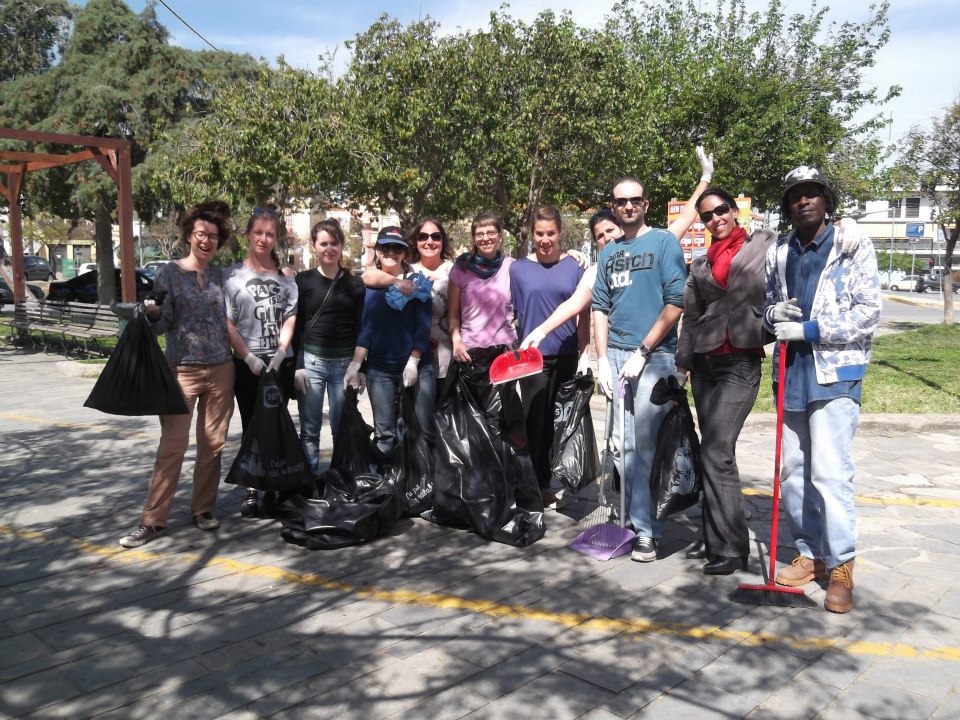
(300, 381)
(706, 164)
(848, 236)
(411, 371)
(583, 364)
(633, 366)
(789, 331)
(604, 377)
(534, 339)
(582, 260)
(255, 364)
(682, 376)
(354, 378)
(151, 309)
(277, 360)
(786, 311)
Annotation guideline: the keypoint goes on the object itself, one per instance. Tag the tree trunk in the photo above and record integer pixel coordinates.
(948, 270)
(106, 280)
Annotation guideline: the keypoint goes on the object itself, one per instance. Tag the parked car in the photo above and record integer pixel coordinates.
(153, 267)
(913, 283)
(86, 267)
(6, 292)
(934, 283)
(83, 288)
(36, 268)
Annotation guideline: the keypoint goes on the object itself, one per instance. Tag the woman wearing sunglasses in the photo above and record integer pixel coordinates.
(198, 351)
(328, 320)
(261, 304)
(394, 346)
(431, 255)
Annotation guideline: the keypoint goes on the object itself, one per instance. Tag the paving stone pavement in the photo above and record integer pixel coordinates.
(432, 622)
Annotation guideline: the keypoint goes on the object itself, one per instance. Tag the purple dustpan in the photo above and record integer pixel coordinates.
(604, 542)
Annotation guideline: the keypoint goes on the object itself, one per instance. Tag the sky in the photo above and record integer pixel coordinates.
(922, 54)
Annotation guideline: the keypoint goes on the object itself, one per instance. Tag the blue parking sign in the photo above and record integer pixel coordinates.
(914, 230)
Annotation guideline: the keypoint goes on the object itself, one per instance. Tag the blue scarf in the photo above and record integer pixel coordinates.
(479, 265)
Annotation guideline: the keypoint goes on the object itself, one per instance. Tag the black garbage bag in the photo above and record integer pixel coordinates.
(352, 502)
(271, 456)
(410, 468)
(676, 476)
(137, 379)
(483, 477)
(575, 461)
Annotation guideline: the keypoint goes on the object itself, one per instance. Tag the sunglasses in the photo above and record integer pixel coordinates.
(268, 212)
(809, 191)
(622, 202)
(435, 236)
(391, 250)
(708, 215)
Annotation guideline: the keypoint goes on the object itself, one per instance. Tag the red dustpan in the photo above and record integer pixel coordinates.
(515, 364)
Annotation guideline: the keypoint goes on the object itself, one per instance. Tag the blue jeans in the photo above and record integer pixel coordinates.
(325, 375)
(817, 479)
(384, 388)
(639, 442)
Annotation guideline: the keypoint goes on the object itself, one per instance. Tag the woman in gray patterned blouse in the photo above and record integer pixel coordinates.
(192, 317)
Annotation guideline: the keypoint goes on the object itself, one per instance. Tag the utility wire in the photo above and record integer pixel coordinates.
(189, 26)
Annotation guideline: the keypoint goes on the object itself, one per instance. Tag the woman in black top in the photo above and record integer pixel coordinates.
(328, 318)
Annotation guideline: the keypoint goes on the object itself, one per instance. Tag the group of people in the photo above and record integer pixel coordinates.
(418, 311)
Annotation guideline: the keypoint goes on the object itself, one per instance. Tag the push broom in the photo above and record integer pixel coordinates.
(770, 593)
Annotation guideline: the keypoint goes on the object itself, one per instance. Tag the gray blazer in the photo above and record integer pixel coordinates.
(709, 310)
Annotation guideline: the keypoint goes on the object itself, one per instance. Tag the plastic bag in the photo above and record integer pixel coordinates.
(575, 461)
(137, 379)
(271, 456)
(352, 502)
(483, 477)
(676, 476)
(411, 466)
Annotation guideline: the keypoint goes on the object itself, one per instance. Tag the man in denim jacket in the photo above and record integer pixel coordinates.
(826, 305)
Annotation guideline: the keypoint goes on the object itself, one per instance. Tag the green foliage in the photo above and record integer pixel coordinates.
(904, 262)
(32, 33)
(910, 372)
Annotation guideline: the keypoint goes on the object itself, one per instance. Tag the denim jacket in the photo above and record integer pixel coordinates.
(845, 312)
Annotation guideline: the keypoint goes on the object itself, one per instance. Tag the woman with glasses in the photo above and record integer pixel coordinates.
(198, 350)
(261, 305)
(330, 299)
(394, 345)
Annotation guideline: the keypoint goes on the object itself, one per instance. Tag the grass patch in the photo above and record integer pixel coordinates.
(910, 372)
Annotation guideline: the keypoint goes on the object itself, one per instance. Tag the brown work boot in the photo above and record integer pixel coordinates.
(801, 571)
(839, 597)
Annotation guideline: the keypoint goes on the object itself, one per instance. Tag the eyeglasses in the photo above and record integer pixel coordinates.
(708, 215)
(481, 234)
(269, 212)
(202, 235)
(622, 202)
(435, 236)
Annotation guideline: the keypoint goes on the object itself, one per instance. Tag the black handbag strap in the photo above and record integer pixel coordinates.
(316, 315)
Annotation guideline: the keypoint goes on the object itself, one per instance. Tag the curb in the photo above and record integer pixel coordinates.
(877, 424)
(72, 368)
(935, 304)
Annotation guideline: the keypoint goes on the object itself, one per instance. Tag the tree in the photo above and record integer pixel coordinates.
(118, 77)
(930, 161)
(32, 33)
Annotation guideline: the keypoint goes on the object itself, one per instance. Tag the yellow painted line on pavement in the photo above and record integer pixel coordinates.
(577, 621)
(889, 501)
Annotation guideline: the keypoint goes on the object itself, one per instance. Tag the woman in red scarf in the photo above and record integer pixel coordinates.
(721, 345)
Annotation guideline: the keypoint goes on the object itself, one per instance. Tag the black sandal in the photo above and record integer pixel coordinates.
(250, 507)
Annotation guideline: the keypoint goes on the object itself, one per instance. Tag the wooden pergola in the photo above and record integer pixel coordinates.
(113, 155)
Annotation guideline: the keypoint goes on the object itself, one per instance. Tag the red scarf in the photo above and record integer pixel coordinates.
(721, 253)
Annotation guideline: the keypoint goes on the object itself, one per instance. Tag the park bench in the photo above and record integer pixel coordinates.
(68, 325)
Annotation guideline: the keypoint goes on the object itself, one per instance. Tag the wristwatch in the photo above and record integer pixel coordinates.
(645, 351)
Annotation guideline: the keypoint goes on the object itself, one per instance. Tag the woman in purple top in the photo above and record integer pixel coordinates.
(479, 309)
(198, 350)
(537, 287)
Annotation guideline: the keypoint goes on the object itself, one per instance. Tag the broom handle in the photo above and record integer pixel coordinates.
(781, 386)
